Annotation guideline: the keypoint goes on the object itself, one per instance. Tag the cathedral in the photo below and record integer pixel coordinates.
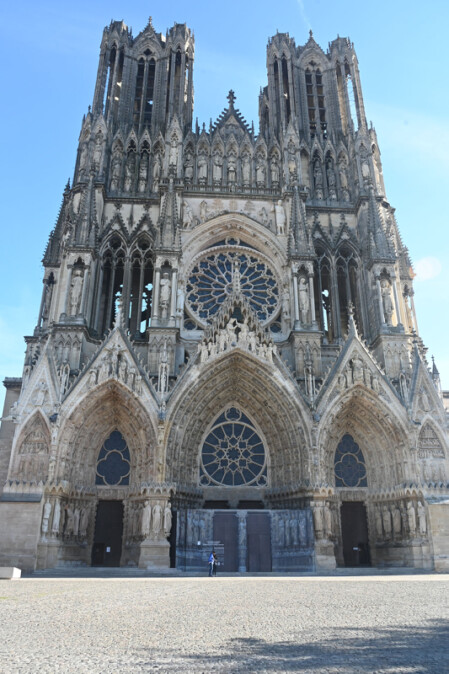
(227, 354)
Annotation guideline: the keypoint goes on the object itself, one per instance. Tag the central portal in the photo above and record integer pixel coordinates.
(107, 546)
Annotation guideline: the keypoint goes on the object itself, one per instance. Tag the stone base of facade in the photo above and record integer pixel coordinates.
(439, 524)
(324, 556)
(154, 555)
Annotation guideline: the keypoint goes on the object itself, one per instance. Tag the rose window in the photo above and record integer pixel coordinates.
(216, 275)
(113, 464)
(233, 453)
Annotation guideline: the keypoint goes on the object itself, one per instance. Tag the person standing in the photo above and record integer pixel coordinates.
(211, 563)
(215, 564)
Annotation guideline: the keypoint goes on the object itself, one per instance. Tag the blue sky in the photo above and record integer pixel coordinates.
(50, 56)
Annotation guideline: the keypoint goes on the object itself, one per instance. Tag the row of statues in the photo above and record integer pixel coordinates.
(236, 334)
(70, 520)
(400, 520)
(291, 529)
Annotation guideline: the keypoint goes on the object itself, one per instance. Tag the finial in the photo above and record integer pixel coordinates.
(231, 98)
(310, 33)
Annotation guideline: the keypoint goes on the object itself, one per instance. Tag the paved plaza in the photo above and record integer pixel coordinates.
(225, 624)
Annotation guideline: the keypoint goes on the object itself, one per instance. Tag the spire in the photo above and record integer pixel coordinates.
(169, 217)
(378, 245)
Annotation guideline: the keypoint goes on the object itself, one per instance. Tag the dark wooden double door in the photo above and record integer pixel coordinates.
(257, 543)
(354, 532)
(107, 545)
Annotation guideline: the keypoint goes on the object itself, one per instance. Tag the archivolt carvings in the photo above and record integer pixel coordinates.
(31, 459)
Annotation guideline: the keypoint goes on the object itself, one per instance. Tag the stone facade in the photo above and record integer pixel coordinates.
(227, 351)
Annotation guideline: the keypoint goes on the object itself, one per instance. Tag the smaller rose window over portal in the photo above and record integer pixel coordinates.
(233, 453)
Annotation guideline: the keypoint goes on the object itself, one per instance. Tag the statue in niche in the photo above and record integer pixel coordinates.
(157, 519)
(76, 287)
(167, 519)
(143, 172)
(217, 173)
(246, 169)
(129, 171)
(396, 521)
(386, 520)
(146, 519)
(274, 168)
(180, 298)
(411, 518)
(260, 171)
(387, 301)
(188, 168)
(291, 160)
(303, 292)
(46, 517)
(318, 521)
(280, 217)
(318, 179)
(204, 211)
(64, 378)
(163, 369)
(357, 369)
(244, 334)
(157, 169)
(379, 528)
(116, 168)
(69, 520)
(422, 521)
(331, 181)
(83, 161)
(232, 170)
(76, 521)
(202, 168)
(189, 218)
(425, 402)
(173, 154)
(164, 300)
(56, 518)
(84, 521)
(98, 151)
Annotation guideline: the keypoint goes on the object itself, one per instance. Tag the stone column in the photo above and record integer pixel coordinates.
(396, 301)
(295, 295)
(174, 293)
(82, 309)
(312, 301)
(67, 292)
(241, 517)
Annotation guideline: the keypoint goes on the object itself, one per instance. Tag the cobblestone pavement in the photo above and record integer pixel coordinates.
(264, 624)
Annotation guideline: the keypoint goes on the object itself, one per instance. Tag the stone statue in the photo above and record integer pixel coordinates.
(180, 298)
(188, 219)
(318, 179)
(83, 161)
(379, 528)
(303, 292)
(318, 521)
(357, 369)
(98, 151)
(246, 169)
(387, 301)
(327, 521)
(422, 521)
(167, 519)
(218, 168)
(115, 171)
(204, 211)
(331, 181)
(232, 174)
(157, 168)
(280, 217)
(202, 169)
(188, 167)
(260, 171)
(46, 517)
(386, 520)
(56, 518)
(76, 521)
(157, 519)
(411, 517)
(163, 370)
(84, 521)
(146, 519)
(396, 521)
(76, 287)
(165, 294)
(143, 172)
(342, 166)
(274, 167)
(129, 171)
(173, 154)
(291, 161)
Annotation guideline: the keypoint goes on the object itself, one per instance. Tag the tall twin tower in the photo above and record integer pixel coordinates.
(227, 353)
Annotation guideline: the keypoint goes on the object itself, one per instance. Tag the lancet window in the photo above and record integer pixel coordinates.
(141, 289)
(315, 101)
(111, 283)
(335, 289)
(144, 92)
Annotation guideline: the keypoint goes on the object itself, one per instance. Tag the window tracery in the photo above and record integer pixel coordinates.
(216, 274)
(233, 453)
(113, 463)
(349, 464)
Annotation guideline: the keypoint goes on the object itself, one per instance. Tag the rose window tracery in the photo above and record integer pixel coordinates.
(113, 464)
(216, 274)
(233, 453)
(349, 464)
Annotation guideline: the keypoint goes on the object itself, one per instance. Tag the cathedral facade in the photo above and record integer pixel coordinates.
(227, 354)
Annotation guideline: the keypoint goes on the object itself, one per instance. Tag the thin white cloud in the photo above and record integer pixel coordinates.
(427, 268)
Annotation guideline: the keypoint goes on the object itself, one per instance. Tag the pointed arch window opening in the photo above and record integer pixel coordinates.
(349, 464)
(324, 299)
(109, 79)
(233, 453)
(351, 98)
(113, 463)
(347, 269)
(316, 102)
